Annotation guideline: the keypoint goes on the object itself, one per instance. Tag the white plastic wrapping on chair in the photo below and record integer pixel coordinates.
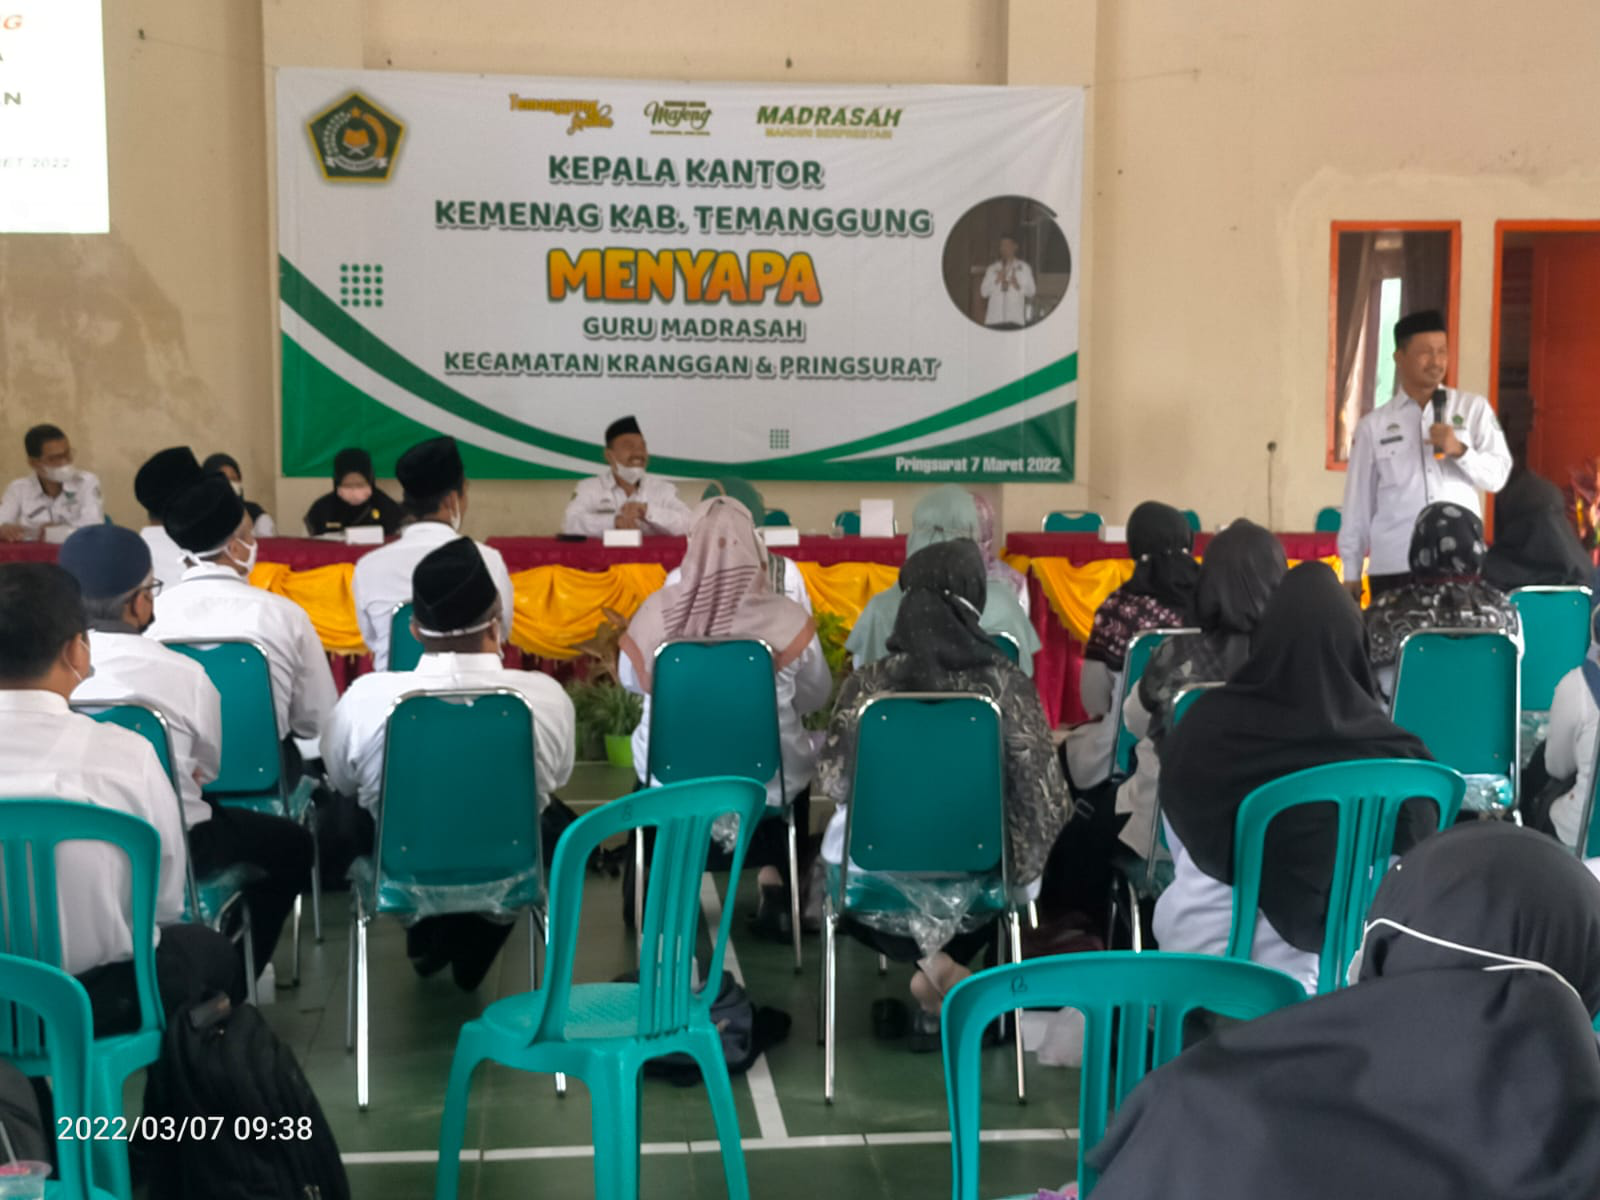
(1487, 793)
(938, 907)
(501, 900)
(1535, 727)
(725, 832)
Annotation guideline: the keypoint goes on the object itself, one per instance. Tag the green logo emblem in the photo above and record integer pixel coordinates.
(355, 140)
(1458, 420)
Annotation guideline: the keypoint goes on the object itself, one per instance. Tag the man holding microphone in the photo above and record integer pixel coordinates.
(1429, 443)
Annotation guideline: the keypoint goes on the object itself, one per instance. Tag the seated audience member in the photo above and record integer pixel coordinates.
(435, 483)
(724, 591)
(1446, 590)
(55, 497)
(623, 496)
(214, 600)
(51, 752)
(457, 617)
(782, 574)
(161, 477)
(228, 467)
(1462, 1062)
(944, 514)
(1159, 596)
(938, 645)
(112, 567)
(1002, 571)
(356, 500)
(1569, 747)
(1304, 698)
(1535, 541)
(1242, 566)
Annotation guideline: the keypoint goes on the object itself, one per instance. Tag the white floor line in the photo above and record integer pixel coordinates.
(763, 1093)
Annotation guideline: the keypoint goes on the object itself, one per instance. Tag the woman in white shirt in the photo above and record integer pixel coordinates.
(1569, 748)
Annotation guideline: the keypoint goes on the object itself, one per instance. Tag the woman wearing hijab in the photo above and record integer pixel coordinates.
(1570, 745)
(1242, 566)
(1462, 1063)
(939, 644)
(724, 591)
(356, 500)
(228, 467)
(1160, 595)
(1304, 697)
(942, 515)
(1002, 571)
(1446, 590)
(1535, 543)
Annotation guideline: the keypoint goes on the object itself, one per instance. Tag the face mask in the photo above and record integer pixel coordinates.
(359, 494)
(238, 488)
(65, 474)
(455, 517)
(249, 563)
(1503, 962)
(629, 475)
(82, 679)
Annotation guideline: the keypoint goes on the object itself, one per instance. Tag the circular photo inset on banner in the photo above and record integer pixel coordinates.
(1007, 263)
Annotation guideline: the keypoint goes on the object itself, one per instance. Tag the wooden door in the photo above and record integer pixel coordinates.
(1564, 354)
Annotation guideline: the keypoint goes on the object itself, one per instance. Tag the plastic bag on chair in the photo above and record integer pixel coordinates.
(498, 900)
(928, 909)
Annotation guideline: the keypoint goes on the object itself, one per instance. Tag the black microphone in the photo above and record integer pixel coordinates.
(1438, 406)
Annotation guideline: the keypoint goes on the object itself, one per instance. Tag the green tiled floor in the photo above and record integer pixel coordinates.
(533, 1144)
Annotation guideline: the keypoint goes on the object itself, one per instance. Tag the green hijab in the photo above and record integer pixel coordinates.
(943, 515)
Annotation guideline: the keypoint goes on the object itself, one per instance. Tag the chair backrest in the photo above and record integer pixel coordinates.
(30, 832)
(1007, 644)
(1555, 638)
(1193, 518)
(1329, 520)
(1367, 797)
(405, 652)
(56, 1009)
(1133, 1006)
(1184, 700)
(714, 711)
(682, 815)
(776, 517)
(252, 762)
(928, 794)
(1458, 690)
(848, 522)
(460, 803)
(1589, 829)
(1064, 521)
(1140, 648)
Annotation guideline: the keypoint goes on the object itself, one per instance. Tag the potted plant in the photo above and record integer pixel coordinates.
(606, 711)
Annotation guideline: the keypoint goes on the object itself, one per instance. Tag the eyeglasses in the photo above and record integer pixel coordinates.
(153, 587)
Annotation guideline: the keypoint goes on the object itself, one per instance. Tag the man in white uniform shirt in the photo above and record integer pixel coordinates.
(435, 483)
(112, 567)
(457, 617)
(623, 496)
(51, 752)
(214, 600)
(1007, 286)
(55, 498)
(1429, 443)
(160, 478)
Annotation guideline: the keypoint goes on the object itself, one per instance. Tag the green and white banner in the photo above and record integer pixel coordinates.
(780, 282)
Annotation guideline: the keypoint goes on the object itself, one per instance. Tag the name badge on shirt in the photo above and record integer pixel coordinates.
(1389, 441)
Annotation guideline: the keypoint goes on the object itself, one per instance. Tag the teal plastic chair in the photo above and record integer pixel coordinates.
(1140, 648)
(1459, 690)
(605, 1032)
(919, 753)
(1007, 645)
(777, 517)
(405, 651)
(1185, 699)
(216, 900)
(1193, 518)
(51, 1008)
(252, 774)
(1589, 828)
(1329, 520)
(848, 523)
(714, 712)
(30, 831)
(1555, 638)
(1072, 522)
(1367, 797)
(1134, 1006)
(431, 856)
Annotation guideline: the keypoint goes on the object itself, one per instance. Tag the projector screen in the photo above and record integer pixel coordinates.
(52, 118)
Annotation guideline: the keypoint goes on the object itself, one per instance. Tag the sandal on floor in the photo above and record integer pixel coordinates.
(772, 920)
(925, 1033)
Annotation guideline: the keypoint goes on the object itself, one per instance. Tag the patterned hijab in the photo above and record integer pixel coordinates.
(724, 593)
(1446, 590)
(937, 630)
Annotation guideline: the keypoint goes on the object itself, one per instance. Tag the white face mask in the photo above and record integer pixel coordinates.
(82, 679)
(62, 474)
(352, 496)
(249, 563)
(455, 516)
(629, 475)
(238, 488)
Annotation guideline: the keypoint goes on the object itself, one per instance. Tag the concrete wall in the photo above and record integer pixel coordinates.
(1223, 139)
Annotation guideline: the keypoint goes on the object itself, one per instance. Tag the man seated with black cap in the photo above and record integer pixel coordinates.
(623, 496)
(435, 483)
(112, 567)
(457, 617)
(213, 599)
(163, 475)
(51, 752)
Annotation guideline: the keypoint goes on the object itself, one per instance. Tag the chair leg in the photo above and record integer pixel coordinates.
(883, 964)
(1016, 1016)
(539, 935)
(294, 941)
(1135, 922)
(830, 968)
(363, 1083)
(316, 890)
(616, 1098)
(638, 888)
(453, 1122)
(1033, 914)
(794, 887)
(108, 1156)
(719, 1091)
(249, 944)
(350, 984)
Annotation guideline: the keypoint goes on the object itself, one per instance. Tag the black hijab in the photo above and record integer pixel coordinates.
(1304, 698)
(1534, 539)
(937, 631)
(214, 464)
(1433, 1078)
(332, 514)
(1160, 541)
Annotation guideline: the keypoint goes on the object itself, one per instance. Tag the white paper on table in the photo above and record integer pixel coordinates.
(877, 518)
(779, 535)
(1113, 533)
(364, 535)
(622, 537)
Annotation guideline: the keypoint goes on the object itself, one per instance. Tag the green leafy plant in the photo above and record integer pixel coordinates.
(831, 632)
(602, 706)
